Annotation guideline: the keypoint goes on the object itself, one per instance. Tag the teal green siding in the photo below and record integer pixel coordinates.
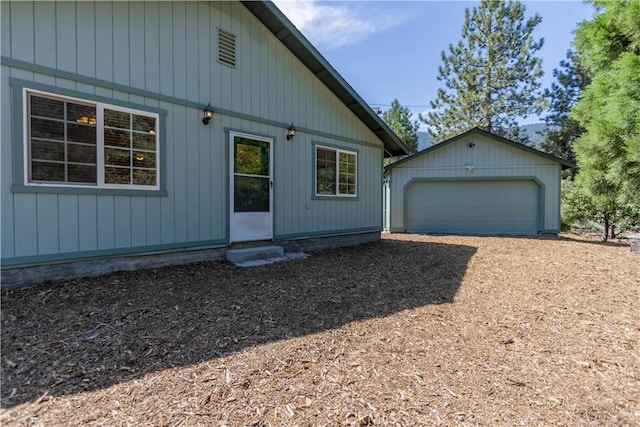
(163, 56)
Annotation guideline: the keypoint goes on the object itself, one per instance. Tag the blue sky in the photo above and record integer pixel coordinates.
(392, 49)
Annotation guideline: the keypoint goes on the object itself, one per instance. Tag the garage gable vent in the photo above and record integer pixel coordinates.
(226, 48)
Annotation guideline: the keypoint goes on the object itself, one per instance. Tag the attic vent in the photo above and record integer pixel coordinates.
(226, 48)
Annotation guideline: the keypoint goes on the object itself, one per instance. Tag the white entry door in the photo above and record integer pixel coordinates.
(251, 189)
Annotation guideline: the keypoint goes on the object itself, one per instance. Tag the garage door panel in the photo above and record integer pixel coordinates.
(473, 207)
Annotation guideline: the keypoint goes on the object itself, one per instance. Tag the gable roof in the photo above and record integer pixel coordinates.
(278, 24)
(477, 131)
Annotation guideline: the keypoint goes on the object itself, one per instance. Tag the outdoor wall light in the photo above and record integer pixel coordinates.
(208, 114)
(291, 132)
(471, 144)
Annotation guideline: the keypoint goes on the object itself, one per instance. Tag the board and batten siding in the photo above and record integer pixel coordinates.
(490, 160)
(163, 55)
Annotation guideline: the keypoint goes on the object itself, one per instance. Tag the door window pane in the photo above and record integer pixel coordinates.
(251, 194)
(251, 157)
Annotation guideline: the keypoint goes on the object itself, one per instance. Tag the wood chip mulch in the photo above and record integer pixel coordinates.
(412, 330)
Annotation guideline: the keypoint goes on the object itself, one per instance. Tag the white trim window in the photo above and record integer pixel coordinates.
(76, 143)
(336, 172)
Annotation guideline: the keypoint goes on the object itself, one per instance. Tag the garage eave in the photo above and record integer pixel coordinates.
(477, 131)
(278, 24)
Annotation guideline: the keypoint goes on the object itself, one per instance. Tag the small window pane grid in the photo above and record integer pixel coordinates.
(78, 143)
(62, 139)
(336, 173)
(226, 48)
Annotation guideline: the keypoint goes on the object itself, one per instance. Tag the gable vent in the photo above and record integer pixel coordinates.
(226, 48)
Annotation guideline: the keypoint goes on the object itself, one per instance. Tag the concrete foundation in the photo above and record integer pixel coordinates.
(15, 277)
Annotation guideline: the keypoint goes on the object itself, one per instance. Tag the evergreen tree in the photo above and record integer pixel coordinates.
(562, 128)
(608, 153)
(491, 76)
(398, 118)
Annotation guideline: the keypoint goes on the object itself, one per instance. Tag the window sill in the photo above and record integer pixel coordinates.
(43, 189)
(330, 197)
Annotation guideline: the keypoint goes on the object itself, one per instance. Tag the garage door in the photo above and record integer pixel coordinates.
(472, 207)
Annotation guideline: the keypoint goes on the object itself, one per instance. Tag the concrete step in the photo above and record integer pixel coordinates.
(255, 253)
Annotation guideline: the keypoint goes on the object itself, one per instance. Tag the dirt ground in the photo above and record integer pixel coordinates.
(413, 330)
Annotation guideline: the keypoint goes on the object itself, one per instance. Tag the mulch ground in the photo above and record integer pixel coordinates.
(413, 330)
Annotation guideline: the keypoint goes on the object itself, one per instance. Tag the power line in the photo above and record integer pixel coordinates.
(389, 105)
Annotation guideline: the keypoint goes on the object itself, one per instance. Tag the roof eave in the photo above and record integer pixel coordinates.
(564, 164)
(280, 26)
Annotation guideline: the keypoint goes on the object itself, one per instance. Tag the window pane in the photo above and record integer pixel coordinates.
(347, 189)
(81, 153)
(117, 138)
(46, 107)
(62, 143)
(347, 178)
(81, 133)
(326, 154)
(326, 180)
(144, 177)
(143, 159)
(351, 168)
(81, 173)
(144, 141)
(43, 128)
(117, 175)
(251, 194)
(117, 119)
(80, 113)
(113, 156)
(325, 171)
(45, 150)
(143, 123)
(52, 172)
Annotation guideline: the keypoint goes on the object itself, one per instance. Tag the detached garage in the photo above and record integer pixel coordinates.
(474, 183)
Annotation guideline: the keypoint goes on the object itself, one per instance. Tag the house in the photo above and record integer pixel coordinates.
(140, 134)
(474, 183)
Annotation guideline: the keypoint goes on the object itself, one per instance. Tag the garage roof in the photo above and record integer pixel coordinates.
(477, 131)
(292, 39)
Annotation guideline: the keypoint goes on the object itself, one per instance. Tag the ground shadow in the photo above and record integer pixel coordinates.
(87, 334)
(577, 239)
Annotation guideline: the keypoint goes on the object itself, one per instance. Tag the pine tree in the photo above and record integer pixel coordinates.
(491, 76)
(563, 129)
(608, 153)
(398, 118)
